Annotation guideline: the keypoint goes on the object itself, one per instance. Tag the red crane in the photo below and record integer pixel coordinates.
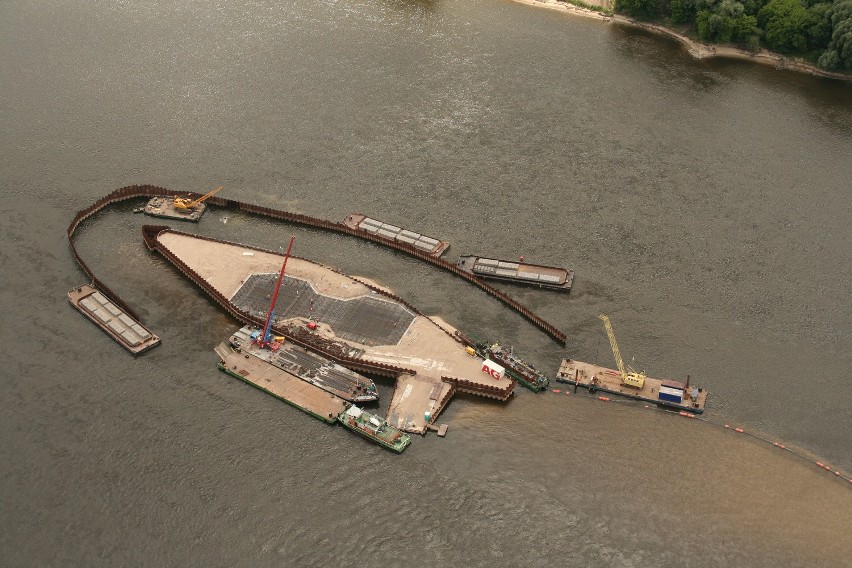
(266, 339)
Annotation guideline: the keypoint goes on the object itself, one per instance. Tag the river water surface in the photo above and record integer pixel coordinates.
(704, 205)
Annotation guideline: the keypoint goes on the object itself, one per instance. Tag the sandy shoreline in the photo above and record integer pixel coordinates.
(697, 49)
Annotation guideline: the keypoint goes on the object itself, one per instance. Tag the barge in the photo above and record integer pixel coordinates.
(308, 366)
(280, 384)
(429, 245)
(516, 367)
(374, 428)
(665, 393)
(182, 208)
(128, 332)
(550, 277)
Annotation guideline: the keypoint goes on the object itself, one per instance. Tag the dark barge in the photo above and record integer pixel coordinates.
(550, 277)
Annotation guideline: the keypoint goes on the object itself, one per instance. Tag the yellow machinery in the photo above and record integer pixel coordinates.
(632, 378)
(187, 204)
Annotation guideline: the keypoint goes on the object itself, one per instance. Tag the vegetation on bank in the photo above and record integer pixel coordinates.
(818, 30)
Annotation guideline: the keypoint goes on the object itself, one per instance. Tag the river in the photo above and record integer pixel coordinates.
(705, 206)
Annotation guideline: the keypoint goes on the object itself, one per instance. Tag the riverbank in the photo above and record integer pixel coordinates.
(697, 49)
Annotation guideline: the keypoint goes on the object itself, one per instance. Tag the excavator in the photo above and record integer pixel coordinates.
(629, 378)
(187, 204)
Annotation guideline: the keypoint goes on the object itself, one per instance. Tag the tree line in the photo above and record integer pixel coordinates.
(815, 29)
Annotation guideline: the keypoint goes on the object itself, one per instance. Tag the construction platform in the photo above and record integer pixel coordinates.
(429, 245)
(280, 384)
(310, 367)
(128, 332)
(595, 378)
(550, 277)
(164, 207)
(358, 325)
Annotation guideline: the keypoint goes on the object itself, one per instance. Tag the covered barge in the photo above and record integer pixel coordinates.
(550, 277)
(665, 393)
(430, 245)
(108, 316)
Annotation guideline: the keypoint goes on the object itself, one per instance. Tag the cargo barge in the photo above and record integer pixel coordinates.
(280, 384)
(374, 428)
(311, 367)
(430, 245)
(517, 368)
(665, 393)
(550, 277)
(307, 397)
(127, 331)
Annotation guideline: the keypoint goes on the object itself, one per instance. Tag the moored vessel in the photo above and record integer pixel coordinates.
(374, 428)
(308, 366)
(516, 367)
(550, 277)
(182, 208)
(128, 332)
(430, 245)
(665, 393)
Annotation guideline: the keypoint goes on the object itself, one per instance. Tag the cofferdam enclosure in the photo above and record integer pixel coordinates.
(359, 325)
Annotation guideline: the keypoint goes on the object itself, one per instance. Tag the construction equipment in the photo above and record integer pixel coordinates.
(265, 341)
(629, 378)
(188, 204)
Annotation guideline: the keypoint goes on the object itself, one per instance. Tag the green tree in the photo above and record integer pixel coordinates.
(727, 22)
(682, 11)
(643, 9)
(838, 54)
(785, 23)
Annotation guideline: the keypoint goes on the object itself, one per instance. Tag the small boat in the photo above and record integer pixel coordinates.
(375, 428)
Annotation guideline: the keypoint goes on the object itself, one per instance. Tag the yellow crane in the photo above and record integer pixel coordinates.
(631, 378)
(187, 204)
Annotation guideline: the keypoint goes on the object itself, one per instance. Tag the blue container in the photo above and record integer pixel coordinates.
(669, 394)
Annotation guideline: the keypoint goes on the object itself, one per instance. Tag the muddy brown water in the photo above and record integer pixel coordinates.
(704, 205)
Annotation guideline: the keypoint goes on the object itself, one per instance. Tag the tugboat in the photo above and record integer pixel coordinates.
(517, 368)
(375, 428)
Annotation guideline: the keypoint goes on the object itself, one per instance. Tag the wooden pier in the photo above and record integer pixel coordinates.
(601, 379)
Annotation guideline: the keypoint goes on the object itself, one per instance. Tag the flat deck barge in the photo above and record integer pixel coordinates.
(670, 394)
(310, 367)
(280, 384)
(430, 245)
(128, 332)
(164, 207)
(550, 277)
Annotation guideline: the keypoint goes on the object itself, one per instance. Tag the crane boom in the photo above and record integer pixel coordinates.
(614, 344)
(187, 203)
(632, 378)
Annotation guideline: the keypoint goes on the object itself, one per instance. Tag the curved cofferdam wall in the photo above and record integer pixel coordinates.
(135, 191)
